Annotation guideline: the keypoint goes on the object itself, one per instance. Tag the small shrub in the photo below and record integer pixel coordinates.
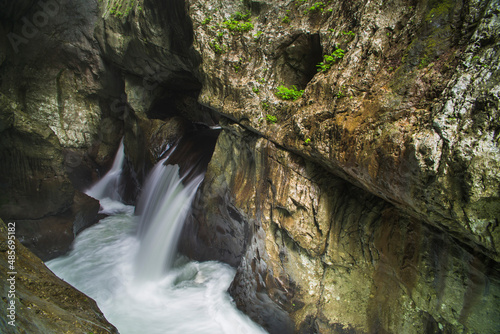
(289, 93)
(349, 33)
(316, 7)
(238, 16)
(329, 60)
(214, 44)
(285, 20)
(271, 119)
(233, 25)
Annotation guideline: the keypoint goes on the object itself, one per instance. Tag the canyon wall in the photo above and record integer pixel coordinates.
(368, 203)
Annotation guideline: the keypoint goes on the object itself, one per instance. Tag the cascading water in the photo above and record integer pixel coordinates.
(122, 262)
(108, 186)
(168, 201)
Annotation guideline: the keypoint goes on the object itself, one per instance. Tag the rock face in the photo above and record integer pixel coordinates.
(44, 303)
(370, 203)
(317, 254)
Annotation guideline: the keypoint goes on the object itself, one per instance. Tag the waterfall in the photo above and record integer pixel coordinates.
(165, 202)
(125, 272)
(109, 185)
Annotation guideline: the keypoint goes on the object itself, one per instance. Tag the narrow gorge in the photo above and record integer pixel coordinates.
(340, 160)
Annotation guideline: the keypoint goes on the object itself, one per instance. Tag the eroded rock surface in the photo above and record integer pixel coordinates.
(331, 255)
(43, 302)
(369, 204)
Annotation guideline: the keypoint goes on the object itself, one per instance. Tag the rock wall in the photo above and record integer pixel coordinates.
(43, 303)
(370, 202)
(316, 254)
(408, 113)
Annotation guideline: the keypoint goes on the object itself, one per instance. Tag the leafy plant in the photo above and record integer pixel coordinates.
(329, 60)
(340, 93)
(289, 93)
(265, 105)
(233, 25)
(239, 16)
(255, 90)
(214, 44)
(316, 7)
(207, 20)
(285, 20)
(257, 35)
(307, 141)
(349, 33)
(271, 119)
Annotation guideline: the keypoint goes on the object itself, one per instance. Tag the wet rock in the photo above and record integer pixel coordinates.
(321, 255)
(52, 236)
(43, 302)
(407, 113)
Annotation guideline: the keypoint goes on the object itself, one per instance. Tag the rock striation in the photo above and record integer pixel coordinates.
(369, 201)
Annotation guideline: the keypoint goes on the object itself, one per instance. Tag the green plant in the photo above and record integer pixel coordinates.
(340, 93)
(233, 25)
(329, 60)
(285, 20)
(257, 35)
(255, 90)
(265, 105)
(424, 62)
(207, 20)
(307, 141)
(239, 16)
(271, 119)
(317, 6)
(349, 33)
(214, 44)
(288, 93)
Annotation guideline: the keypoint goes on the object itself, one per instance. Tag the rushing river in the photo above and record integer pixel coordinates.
(128, 264)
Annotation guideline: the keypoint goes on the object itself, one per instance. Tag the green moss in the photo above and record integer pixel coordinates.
(122, 8)
(438, 9)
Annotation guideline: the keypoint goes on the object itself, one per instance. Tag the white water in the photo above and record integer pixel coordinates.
(166, 204)
(108, 186)
(127, 273)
